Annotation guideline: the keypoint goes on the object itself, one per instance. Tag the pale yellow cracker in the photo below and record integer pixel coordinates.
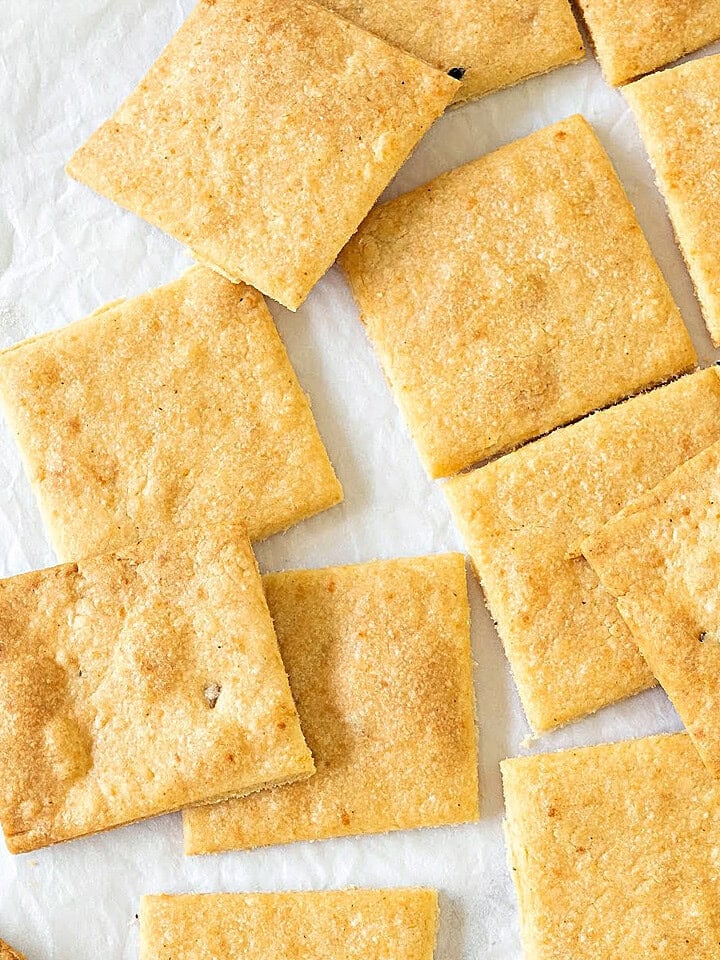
(177, 407)
(489, 44)
(678, 112)
(634, 37)
(393, 924)
(512, 295)
(7, 952)
(137, 683)
(378, 656)
(661, 559)
(614, 852)
(524, 517)
(262, 136)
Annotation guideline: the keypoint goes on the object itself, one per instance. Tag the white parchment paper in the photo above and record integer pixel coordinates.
(64, 67)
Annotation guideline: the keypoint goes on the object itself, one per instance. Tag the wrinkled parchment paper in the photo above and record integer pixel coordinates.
(64, 67)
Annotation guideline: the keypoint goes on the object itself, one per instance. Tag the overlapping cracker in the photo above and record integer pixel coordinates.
(178, 407)
(524, 516)
(262, 136)
(137, 683)
(378, 656)
(512, 295)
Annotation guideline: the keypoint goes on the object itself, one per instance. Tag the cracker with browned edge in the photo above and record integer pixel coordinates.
(512, 295)
(314, 925)
(632, 39)
(7, 952)
(678, 112)
(137, 683)
(262, 136)
(614, 850)
(177, 407)
(488, 44)
(378, 656)
(660, 557)
(524, 516)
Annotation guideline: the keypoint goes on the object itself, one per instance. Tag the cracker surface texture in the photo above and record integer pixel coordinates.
(678, 112)
(137, 683)
(177, 407)
(378, 656)
(7, 952)
(328, 925)
(660, 558)
(632, 39)
(262, 136)
(512, 295)
(524, 517)
(614, 851)
(495, 43)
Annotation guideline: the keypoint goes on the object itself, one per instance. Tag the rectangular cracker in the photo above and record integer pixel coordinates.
(491, 292)
(661, 559)
(523, 518)
(634, 38)
(678, 112)
(205, 422)
(262, 136)
(378, 656)
(613, 851)
(492, 44)
(7, 952)
(137, 683)
(394, 924)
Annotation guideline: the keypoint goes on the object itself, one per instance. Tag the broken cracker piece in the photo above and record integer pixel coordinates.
(660, 557)
(613, 851)
(524, 517)
(105, 668)
(178, 407)
(512, 295)
(261, 137)
(378, 656)
(678, 112)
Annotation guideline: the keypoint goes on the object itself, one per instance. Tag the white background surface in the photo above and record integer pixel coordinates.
(64, 67)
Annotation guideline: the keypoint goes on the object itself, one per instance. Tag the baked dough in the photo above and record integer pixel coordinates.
(328, 925)
(661, 558)
(523, 518)
(614, 850)
(177, 407)
(633, 38)
(512, 295)
(137, 683)
(488, 43)
(262, 136)
(679, 116)
(7, 952)
(378, 656)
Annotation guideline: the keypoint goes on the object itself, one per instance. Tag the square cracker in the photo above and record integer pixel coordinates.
(262, 136)
(512, 295)
(137, 683)
(614, 851)
(7, 952)
(378, 656)
(496, 43)
(678, 112)
(632, 38)
(317, 925)
(203, 422)
(661, 559)
(524, 517)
